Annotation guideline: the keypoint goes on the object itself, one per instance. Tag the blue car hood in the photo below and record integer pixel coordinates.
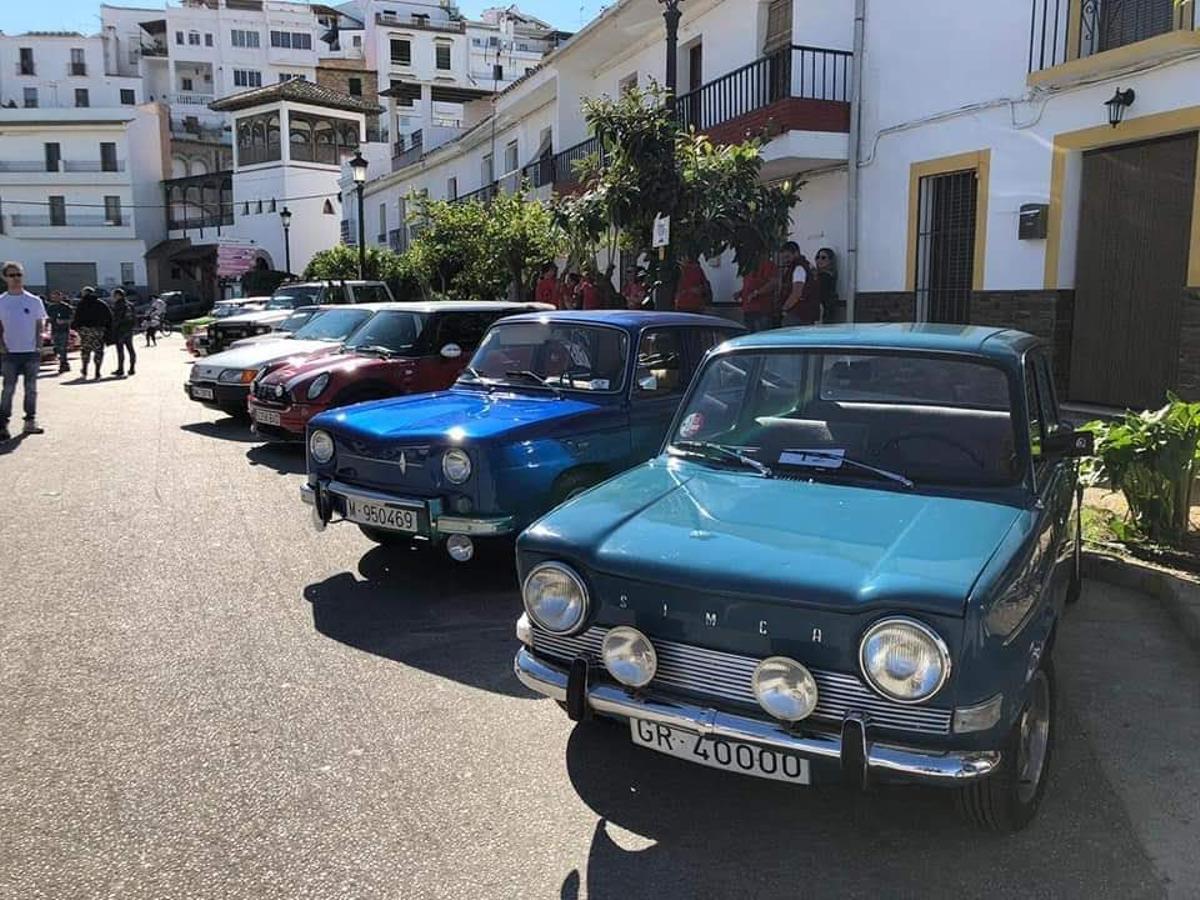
(457, 415)
(829, 545)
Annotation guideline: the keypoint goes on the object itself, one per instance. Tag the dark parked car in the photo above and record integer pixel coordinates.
(849, 561)
(181, 306)
(411, 349)
(551, 404)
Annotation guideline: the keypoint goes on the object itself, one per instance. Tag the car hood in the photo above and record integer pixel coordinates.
(457, 415)
(253, 318)
(351, 365)
(260, 353)
(827, 545)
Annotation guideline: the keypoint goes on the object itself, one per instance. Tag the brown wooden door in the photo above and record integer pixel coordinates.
(1134, 229)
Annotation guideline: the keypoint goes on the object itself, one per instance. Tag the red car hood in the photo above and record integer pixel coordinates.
(346, 366)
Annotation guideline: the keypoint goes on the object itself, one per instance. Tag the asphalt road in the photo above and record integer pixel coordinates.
(202, 697)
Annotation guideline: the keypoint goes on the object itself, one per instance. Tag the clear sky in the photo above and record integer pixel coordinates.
(17, 16)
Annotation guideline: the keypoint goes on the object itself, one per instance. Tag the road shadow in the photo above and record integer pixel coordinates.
(417, 607)
(13, 443)
(227, 429)
(286, 459)
(701, 832)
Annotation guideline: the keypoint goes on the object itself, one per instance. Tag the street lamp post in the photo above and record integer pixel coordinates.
(358, 166)
(664, 293)
(285, 217)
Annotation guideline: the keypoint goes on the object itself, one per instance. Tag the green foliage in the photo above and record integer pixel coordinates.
(381, 264)
(473, 250)
(1151, 457)
(261, 282)
(647, 165)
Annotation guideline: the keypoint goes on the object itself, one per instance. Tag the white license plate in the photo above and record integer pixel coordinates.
(719, 753)
(266, 417)
(380, 515)
(203, 393)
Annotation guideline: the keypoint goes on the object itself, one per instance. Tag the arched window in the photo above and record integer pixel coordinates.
(324, 142)
(274, 151)
(198, 167)
(300, 138)
(178, 167)
(327, 209)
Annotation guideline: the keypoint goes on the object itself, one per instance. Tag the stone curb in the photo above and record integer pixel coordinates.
(1178, 596)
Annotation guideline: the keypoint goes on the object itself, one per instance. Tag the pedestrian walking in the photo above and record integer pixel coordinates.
(124, 321)
(92, 320)
(800, 305)
(154, 317)
(60, 314)
(759, 293)
(22, 320)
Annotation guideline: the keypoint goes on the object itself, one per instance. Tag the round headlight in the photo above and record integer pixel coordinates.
(456, 466)
(629, 656)
(320, 446)
(317, 385)
(785, 689)
(555, 598)
(904, 660)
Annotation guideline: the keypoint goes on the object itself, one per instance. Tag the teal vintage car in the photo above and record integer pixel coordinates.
(849, 562)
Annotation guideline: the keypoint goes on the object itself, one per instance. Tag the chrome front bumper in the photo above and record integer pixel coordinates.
(492, 526)
(888, 762)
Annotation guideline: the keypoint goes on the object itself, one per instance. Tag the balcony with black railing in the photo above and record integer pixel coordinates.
(199, 201)
(485, 194)
(1069, 31)
(407, 152)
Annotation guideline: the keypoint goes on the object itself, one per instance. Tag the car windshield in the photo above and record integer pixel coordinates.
(393, 332)
(824, 413)
(296, 320)
(560, 355)
(332, 325)
(225, 310)
(295, 295)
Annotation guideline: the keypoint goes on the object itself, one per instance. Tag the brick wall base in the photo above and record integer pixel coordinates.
(1048, 315)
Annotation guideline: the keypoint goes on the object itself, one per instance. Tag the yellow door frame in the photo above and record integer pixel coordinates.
(1165, 124)
(978, 160)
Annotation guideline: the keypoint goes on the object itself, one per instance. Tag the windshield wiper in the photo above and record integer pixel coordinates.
(486, 382)
(375, 348)
(842, 459)
(707, 450)
(534, 376)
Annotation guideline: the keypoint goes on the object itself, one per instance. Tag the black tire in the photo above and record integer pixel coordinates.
(1075, 588)
(1004, 802)
(574, 482)
(385, 538)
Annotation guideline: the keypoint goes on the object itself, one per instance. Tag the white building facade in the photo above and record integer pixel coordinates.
(80, 201)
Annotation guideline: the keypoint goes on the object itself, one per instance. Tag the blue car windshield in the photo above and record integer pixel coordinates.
(819, 413)
(332, 324)
(559, 355)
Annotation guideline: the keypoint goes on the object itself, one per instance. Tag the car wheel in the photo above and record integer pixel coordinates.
(1007, 800)
(1075, 588)
(573, 483)
(385, 538)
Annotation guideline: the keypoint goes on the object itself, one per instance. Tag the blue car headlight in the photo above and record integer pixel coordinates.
(555, 598)
(904, 660)
(456, 466)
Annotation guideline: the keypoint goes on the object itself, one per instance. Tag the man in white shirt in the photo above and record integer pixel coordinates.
(22, 319)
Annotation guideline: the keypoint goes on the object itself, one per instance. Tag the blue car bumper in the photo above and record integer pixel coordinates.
(328, 500)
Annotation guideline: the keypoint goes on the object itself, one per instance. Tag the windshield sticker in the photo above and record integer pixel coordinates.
(692, 425)
(821, 459)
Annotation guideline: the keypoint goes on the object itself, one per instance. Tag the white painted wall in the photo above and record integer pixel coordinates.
(53, 76)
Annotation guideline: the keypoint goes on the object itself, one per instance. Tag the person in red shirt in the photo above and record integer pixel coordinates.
(759, 290)
(693, 290)
(547, 290)
(634, 291)
(589, 292)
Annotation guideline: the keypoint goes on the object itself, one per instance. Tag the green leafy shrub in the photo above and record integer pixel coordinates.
(1151, 457)
(381, 264)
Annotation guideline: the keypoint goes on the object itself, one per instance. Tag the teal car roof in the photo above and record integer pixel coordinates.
(995, 343)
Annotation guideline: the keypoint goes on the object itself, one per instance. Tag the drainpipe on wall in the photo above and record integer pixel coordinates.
(851, 286)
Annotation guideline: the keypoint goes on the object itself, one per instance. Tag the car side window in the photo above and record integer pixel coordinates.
(1033, 401)
(1049, 401)
(465, 329)
(659, 364)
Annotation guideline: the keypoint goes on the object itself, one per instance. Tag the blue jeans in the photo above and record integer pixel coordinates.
(61, 340)
(12, 367)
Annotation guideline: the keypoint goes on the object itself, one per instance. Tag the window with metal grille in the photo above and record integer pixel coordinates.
(443, 56)
(945, 263)
(401, 52)
(112, 210)
(247, 78)
(108, 156)
(128, 97)
(81, 97)
(58, 210)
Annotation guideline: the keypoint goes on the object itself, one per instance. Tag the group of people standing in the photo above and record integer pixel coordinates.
(23, 318)
(793, 291)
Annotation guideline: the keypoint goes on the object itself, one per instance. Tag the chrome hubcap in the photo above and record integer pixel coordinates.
(1034, 739)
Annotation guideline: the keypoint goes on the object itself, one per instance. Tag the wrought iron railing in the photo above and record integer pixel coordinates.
(485, 194)
(563, 169)
(403, 155)
(208, 220)
(419, 22)
(191, 99)
(77, 69)
(1064, 30)
(68, 220)
(810, 73)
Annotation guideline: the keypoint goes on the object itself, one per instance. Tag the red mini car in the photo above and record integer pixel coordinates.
(405, 348)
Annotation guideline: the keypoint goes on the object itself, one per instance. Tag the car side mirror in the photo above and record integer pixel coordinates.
(1069, 444)
(452, 351)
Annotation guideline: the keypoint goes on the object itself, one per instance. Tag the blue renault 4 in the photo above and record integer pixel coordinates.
(849, 562)
(551, 404)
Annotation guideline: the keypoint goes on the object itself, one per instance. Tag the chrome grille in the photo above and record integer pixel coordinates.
(726, 676)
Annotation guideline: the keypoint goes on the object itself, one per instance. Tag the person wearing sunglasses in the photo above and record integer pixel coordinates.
(22, 321)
